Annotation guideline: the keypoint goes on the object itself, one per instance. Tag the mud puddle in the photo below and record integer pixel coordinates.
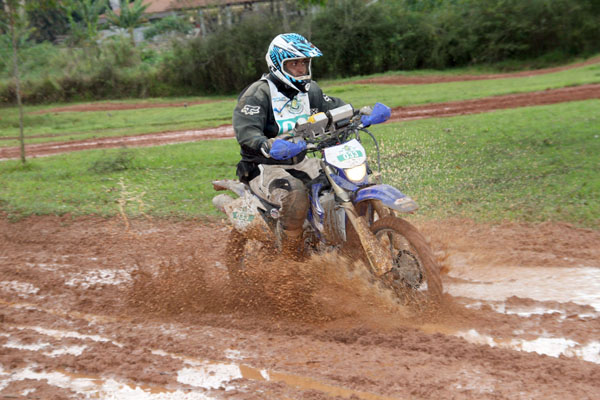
(579, 284)
(532, 291)
(196, 373)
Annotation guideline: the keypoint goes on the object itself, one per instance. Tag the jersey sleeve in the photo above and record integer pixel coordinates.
(250, 117)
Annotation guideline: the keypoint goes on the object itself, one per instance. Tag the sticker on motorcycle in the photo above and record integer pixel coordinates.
(241, 212)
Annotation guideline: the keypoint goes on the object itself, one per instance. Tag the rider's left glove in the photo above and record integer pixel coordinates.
(379, 114)
(284, 150)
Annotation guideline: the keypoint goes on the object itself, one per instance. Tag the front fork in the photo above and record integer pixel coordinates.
(380, 260)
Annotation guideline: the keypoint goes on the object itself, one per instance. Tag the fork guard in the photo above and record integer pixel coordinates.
(389, 196)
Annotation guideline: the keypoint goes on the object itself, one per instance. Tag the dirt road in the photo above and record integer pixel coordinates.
(91, 309)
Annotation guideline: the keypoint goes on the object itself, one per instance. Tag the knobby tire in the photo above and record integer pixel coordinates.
(418, 242)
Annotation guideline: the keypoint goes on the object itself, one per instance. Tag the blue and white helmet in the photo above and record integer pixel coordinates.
(290, 46)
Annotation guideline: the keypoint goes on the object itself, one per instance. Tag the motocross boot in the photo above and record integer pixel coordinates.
(292, 215)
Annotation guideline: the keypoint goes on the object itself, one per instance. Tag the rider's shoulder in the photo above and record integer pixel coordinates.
(258, 90)
(314, 89)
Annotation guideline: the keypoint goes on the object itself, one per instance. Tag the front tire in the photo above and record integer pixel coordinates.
(414, 263)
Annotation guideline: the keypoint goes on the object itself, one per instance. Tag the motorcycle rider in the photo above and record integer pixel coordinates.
(276, 169)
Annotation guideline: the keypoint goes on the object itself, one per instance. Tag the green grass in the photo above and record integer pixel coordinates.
(396, 96)
(527, 164)
(78, 125)
(66, 126)
(480, 69)
(161, 181)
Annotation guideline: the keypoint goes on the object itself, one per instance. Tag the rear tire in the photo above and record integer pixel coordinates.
(411, 252)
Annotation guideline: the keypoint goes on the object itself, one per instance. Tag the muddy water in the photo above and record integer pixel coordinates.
(483, 285)
(577, 283)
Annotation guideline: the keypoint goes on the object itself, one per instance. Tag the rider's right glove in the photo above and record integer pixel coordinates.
(284, 150)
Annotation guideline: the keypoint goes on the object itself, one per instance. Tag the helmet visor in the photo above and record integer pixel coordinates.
(297, 68)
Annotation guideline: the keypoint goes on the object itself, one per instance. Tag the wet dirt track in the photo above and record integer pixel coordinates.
(91, 309)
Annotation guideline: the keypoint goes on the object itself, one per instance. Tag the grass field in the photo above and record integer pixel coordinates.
(527, 164)
(67, 126)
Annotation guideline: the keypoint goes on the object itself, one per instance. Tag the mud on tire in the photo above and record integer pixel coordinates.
(393, 225)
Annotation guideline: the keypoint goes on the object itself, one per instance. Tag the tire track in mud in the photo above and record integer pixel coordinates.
(447, 109)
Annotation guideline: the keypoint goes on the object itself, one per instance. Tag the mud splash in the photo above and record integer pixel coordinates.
(322, 288)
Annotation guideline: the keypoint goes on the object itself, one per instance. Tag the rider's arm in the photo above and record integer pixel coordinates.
(321, 101)
(250, 116)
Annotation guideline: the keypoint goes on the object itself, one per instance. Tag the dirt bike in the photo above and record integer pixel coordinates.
(347, 201)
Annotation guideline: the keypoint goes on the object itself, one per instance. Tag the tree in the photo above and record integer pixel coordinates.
(83, 18)
(130, 16)
(49, 19)
(16, 23)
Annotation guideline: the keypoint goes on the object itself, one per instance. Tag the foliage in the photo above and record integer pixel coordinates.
(49, 20)
(130, 16)
(225, 61)
(168, 24)
(356, 37)
(83, 18)
(112, 69)
(363, 38)
(477, 31)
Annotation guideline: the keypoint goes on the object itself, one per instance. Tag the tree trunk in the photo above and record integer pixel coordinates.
(285, 17)
(131, 35)
(16, 77)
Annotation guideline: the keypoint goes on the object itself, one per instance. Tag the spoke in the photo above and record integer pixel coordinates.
(391, 240)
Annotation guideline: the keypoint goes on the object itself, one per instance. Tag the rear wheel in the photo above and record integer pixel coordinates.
(414, 265)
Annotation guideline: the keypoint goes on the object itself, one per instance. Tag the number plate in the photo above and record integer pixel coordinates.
(347, 155)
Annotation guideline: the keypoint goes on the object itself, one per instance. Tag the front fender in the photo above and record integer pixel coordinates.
(389, 196)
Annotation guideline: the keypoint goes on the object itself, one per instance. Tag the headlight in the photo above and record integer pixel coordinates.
(356, 174)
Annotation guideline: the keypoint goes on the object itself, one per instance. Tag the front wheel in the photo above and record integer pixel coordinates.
(414, 264)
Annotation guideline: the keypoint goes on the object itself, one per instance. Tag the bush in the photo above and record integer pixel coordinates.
(356, 37)
(359, 38)
(168, 24)
(113, 162)
(113, 69)
(489, 31)
(224, 62)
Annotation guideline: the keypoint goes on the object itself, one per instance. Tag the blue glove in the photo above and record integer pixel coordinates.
(380, 113)
(283, 150)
